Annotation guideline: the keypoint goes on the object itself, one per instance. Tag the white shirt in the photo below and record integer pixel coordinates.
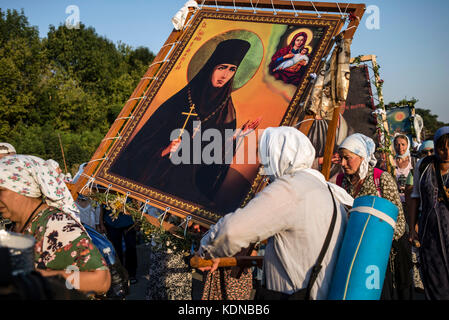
(294, 214)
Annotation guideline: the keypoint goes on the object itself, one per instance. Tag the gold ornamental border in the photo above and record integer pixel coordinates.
(181, 207)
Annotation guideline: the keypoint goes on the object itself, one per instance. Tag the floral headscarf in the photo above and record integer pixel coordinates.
(364, 147)
(34, 177)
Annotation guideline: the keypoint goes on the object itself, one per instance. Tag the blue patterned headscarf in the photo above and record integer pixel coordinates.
(362, 146)
(440, 132)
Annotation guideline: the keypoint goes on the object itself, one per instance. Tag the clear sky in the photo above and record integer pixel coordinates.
(411, 43)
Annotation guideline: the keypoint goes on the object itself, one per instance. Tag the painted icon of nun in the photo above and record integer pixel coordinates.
(285, 56)
(207, 98)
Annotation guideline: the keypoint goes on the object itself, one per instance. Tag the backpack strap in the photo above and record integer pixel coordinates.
(317, 267)
(425, 163)
(377, 173)
(441, 187)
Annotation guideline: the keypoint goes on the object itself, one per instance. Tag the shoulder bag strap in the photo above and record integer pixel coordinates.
(317, 267)
(441, 188)
(377, 173)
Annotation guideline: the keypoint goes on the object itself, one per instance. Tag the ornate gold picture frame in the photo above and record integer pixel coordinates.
(273, 57)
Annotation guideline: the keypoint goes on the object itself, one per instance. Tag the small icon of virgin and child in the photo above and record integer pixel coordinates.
(289, 63)
(205, 100)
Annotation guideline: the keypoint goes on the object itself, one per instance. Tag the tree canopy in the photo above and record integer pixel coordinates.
(69, 85)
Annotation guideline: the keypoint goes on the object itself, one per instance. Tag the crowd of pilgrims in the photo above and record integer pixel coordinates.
(288, 219)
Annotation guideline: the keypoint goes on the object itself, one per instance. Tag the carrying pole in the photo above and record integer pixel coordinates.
(62, 151)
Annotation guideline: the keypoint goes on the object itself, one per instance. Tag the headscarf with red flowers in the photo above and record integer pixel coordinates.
(37, 178)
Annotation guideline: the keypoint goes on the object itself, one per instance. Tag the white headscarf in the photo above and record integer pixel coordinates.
(286, 150)
(34, 177)
(180, 17)
(364, 147)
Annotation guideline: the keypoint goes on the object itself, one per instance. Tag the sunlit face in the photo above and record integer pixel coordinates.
(350, 162)
(298, 42)
(10, 204)
(443, 153)
(400, 145)
(222, 74)
(6, 154)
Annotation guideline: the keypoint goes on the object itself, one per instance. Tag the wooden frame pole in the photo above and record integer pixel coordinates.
(332, 128)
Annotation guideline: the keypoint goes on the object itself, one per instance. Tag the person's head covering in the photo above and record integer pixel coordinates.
(37, 178)
(362, 146)
(230, 51)
(439, 133)
(428, 144)
(206, 97)
(405, 137)
(180, 17)
(286, 150)
(6, 148)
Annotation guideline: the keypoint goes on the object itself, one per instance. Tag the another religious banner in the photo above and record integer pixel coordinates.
(192, 145)
(357, 115)
(359, 107)
(403, 120)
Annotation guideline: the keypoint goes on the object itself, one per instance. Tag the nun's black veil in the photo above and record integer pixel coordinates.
(141, 159)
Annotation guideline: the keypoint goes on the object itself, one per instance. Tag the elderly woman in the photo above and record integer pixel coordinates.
(430, 194)
(294, 213)
(39, 203)
(360, 178)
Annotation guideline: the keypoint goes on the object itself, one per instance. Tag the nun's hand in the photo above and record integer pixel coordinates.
(172, 147)
(250, 125)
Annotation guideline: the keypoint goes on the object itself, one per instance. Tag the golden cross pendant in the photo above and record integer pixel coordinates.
(188, 114)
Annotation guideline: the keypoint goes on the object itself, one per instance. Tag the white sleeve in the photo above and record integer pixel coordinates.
(416, 175)
(269, 213)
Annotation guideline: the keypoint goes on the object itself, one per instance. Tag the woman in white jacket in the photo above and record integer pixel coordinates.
(294, 213)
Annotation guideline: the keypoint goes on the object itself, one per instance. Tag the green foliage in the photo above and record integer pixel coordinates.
(402, 103)
(70, 85)
(21, 62)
